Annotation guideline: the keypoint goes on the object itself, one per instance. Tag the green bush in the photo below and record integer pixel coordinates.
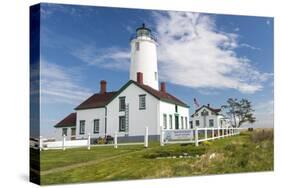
(207, 143)
(101, 140)
(190, 150)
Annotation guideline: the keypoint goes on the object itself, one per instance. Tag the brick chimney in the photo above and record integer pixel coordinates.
(163, 87)
(140, 77)
(102, 87)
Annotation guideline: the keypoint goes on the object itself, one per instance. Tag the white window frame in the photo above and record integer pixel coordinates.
(210, 122)
(121, 128)
(171, 121)
(82, 124)
(165, 121)
(121, 107)
(142, 102)
(96, 126)
(64, 131)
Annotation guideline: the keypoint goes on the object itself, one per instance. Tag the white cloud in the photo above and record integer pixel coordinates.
(267, 22)
(192, 52)
(237, 29)
(60, 84)
(249, 46)
(112, 58)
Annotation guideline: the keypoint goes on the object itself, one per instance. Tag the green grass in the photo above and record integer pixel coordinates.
(248, 152)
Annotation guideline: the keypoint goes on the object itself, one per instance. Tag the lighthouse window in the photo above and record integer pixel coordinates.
(155, 75)
(137, 46)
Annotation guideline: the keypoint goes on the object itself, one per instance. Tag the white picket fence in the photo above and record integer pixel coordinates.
(63, 144)
(193, 135)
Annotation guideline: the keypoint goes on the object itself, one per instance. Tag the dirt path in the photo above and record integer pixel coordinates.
(69, 167)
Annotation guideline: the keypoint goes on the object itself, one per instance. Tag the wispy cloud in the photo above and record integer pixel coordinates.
(208, 91)
(237, 29)
(112, 58)
(61, 85)
(50, 9)
(194, 53)
(249, 46)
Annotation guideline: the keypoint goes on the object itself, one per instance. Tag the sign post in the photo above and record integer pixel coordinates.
(146, 137)
(196, 136)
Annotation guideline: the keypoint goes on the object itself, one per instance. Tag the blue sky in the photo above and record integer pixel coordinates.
(209, 57)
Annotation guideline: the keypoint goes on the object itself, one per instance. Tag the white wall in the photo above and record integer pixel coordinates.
(169, 109)
(216, 119)
(144, 60)
(89, 115)
(138, 119)
(58, 133)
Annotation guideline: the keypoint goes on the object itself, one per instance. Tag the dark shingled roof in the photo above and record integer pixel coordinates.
(96, 101)
(101, 100)
(68, 121)
(167, 97)
(215, 110)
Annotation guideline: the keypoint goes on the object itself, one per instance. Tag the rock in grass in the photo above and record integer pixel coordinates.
(213, 155)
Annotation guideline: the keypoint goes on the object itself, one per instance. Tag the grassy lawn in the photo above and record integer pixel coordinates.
(248, 152)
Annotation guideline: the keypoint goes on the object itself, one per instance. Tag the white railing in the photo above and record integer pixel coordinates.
(63, 144)
(197, 135)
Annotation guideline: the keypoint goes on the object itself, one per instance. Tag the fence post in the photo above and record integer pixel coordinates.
(115, 140)
(196, 136)
(89, 141)
(213, 133)
(63, 142)
(146, 137)
(40, 143)
(227, 131)
(161, 136)
(218, 132)
(206, 133)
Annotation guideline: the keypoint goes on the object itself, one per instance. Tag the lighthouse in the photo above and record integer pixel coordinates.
(144, 57)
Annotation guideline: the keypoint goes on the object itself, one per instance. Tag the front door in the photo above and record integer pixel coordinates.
(176, 122)
(73, 133)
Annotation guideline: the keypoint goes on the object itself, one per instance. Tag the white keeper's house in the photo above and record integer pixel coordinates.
(139, 103)
(209, 117)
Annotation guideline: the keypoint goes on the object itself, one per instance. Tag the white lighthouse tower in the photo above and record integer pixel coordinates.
(144, 57)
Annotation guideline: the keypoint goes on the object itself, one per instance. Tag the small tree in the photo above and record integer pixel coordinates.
(239, 111)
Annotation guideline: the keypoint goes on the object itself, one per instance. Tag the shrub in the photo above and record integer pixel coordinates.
(207, 143)
(101, 140)
(262, 135)
(230, 147)
(109, 139)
